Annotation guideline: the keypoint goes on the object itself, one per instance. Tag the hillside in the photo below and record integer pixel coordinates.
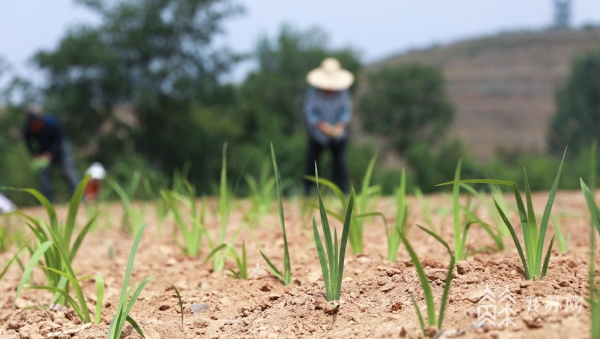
(503, 87)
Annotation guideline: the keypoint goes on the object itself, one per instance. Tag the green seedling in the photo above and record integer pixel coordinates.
(431, 320)
(594, 288)
(357, 222)
(332, 260)
(261, 193)
(393, 235)
(5, 239)
(67, 277)
(366, 193)
(498, 196)
(224, 211)
(130, 293)
(131, 216)
(241, 262)
(286, 277)
(191, 227)
(473, 219)
(458, 241)
(460, 232)
(562, 241)
(60, 235)
(592, 263)
(426, 209)
(533, 240)
(12, 259)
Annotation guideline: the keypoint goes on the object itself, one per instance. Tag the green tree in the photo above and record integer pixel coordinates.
(138, 82)
(406, 104)
(577, 117)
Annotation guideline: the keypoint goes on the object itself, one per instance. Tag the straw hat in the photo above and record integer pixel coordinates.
(330, 76)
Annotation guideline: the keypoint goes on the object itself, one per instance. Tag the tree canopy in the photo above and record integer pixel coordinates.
(577, 117)
(406, 104)
(136, 82)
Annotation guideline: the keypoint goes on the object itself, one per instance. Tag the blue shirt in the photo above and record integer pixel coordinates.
(330, 107)
(49, 139)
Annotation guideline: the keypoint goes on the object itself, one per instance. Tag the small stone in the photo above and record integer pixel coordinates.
(171, 262)
(436, 273)
(525, 284)
(397, 306)
(315, 276)
(198, 308)
(258, 273)
(387, 288)
(201, 323)
(13, 326)
(451, 333)
(274, 296)
(364, 260)
(475, 296)
(533, 322)
(463, 267)
(431, 332)
(390, 271)
(403, 332)
(471, 312)
(164, 307)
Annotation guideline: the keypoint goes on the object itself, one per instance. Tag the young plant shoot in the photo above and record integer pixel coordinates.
(431, 321)
(331, 257)
(130, 293)
(532, 237)
(286, 277)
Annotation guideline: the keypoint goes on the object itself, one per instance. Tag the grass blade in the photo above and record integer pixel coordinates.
(424, 282)
(513, 234)
(419, 315)
(547, 259)
(322, 260)
(33, 261)
(344, 241)
(73, 209)
(546, 216)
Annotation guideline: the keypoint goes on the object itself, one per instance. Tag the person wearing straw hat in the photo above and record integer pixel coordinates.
(328, 110)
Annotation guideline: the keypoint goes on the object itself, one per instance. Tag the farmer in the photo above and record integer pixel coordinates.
(328, 110)
(49, 147)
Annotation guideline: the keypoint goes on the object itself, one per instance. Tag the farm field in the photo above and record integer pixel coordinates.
(375, 297)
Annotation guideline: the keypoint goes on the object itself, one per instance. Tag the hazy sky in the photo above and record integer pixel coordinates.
(377, 28)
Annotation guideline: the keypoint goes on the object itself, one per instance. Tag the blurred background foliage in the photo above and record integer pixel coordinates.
(143, 91)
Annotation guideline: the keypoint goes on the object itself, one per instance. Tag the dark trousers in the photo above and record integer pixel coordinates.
(340, 175)
(66, 162)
